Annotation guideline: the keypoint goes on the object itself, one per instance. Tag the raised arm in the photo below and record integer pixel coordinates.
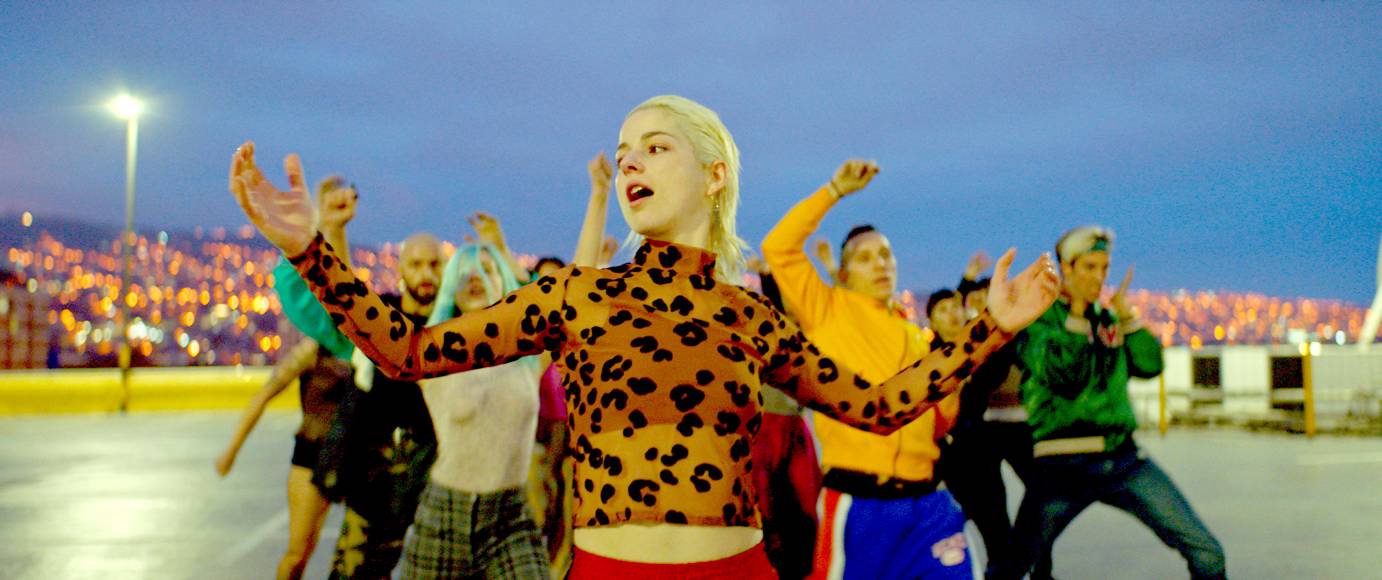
(301, 308)
(285, 372)
(799, 369)
(336, 209)
(488, 230)
(524, 323)
(784, 248)
(588, 248)
(1143, 349)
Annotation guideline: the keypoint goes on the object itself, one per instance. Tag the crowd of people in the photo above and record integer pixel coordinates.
(656, 419)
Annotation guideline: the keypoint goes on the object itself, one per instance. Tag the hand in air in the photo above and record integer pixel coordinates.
(1016, 302)
(853, 176)
(337, 207)
(487, 229)
(286, 218)
(977, 264)
(600, 174)
(825, 253)
(1120, 299)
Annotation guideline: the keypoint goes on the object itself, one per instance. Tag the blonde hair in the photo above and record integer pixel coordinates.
(711, 141)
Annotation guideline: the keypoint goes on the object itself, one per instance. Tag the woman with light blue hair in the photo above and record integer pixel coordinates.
(473, 519)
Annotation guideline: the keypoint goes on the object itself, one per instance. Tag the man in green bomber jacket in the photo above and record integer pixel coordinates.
(1076, 361)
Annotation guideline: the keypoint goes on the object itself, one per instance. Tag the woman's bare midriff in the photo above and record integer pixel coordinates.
(666, 543)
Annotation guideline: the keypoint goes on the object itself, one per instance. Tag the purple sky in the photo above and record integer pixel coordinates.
(1234, 146)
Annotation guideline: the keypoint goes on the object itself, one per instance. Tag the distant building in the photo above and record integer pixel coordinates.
(25, 340)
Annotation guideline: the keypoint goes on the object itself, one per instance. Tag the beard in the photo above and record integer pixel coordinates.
(423, 298)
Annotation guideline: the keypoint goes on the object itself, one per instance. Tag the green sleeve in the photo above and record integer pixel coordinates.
(308, 315)
(1144, 354)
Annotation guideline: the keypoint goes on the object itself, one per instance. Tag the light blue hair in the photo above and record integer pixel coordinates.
(464, 262)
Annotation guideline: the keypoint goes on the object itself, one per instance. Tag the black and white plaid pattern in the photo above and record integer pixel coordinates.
(464, 535)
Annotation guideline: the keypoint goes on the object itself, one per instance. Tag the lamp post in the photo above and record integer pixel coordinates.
(127, 108)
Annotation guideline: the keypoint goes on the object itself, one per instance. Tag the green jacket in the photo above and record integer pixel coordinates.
(308, 315)
(1075, 373)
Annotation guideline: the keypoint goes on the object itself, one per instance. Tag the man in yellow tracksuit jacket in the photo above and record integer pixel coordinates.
(881, 514)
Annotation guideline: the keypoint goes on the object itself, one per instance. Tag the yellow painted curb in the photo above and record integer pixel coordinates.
(151, 389)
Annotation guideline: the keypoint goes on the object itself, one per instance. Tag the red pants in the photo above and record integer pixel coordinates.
(787, 477)
(751, 564)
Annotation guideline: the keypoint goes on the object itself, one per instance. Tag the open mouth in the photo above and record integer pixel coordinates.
(637, 192)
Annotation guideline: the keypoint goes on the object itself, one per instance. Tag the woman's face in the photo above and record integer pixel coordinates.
(663, 190)
(472, 294)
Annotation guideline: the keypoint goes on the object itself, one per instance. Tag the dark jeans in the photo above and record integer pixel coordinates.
(1067, 484)
(971, 468)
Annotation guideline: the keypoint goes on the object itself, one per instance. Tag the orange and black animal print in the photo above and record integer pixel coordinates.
(662, 367)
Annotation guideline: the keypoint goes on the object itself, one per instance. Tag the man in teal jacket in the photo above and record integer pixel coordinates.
(1076, 361)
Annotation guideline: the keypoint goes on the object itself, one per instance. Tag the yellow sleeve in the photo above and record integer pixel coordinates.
(784, 250)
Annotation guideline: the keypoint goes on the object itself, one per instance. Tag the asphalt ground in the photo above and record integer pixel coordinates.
(135, 496)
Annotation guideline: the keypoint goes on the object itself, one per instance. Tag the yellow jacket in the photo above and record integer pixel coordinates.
(867, 337)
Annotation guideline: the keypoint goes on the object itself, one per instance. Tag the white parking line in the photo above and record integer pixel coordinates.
(276, 524)
(1340, 458)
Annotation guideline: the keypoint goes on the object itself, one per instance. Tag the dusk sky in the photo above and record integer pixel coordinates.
(1230, 145)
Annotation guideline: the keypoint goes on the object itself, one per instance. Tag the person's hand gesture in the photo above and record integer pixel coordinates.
(1120, 299)
(977, 264)
(487, 229)
(1016, 302)
(337, 207)
(286, 218)
(852, 176)
(600, 173)
(826, 254)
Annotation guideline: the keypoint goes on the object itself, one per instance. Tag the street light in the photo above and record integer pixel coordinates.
(128, 108)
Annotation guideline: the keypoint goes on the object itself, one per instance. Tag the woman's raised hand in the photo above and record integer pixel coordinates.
(286, 218)
(1016, 302)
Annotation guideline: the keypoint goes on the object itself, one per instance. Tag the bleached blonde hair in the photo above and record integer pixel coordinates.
(711, 142)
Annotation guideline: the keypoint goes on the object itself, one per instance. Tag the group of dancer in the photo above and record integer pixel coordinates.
(676, 399)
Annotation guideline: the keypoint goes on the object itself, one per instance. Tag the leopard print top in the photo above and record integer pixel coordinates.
(662, 367)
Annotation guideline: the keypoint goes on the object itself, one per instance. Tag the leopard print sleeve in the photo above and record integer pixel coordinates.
(798, 368)
(527, 322)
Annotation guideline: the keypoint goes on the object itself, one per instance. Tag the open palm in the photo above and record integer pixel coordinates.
(286, 218)
(1016, 302)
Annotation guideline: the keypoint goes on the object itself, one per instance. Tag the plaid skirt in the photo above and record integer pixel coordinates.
(465, 535)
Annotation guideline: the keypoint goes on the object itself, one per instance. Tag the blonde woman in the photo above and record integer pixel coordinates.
(662, 358)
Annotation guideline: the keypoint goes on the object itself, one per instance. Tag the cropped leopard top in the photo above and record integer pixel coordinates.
(662, 367)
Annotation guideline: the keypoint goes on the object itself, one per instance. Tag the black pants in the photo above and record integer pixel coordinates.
(971, 468)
